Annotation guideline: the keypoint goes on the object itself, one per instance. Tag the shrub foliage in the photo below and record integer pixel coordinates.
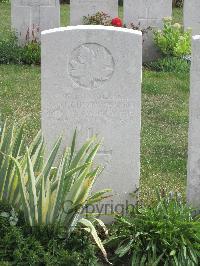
(23, 245)
(170, 64)
(172, 40)
(12, 53)
(163, 234)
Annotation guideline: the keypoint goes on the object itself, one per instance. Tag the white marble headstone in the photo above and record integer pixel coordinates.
(81, 8)
(30, 17)
(192, 15)
(90, 83)
(193, 179)
(147, 13)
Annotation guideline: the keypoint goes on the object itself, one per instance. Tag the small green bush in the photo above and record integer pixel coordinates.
(12, 53)
(30, 54)
(163, 234)
(23, 245)
(172, 40)
(9, 50)
(169, 64)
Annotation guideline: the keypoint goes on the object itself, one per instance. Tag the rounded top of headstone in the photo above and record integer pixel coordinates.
(92, 27)
(35, 2)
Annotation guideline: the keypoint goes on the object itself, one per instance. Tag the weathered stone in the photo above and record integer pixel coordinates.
(30, 17)
(193, 180)
(145, 14)
(81, 8)
(191, 15)
(90, 83)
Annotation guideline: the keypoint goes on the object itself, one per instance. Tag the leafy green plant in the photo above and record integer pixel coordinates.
(172, 40)
(51, 191)
(11, 143)
(164, 234)
(11, 52)
(56, 194)
(169, 64)
(30, 54)
(21, 245)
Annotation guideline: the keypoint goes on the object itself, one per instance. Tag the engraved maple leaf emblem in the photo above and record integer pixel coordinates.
(91, 65)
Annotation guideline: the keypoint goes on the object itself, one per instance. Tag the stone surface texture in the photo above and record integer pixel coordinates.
(193, 180)
(30, 17)
(147, 12)
(89, 83)
(81, 8)
(192, 15)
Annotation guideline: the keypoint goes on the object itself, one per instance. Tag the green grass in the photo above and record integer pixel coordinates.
(164, 132)
(178, 15)
(65, 15)
(20, 95)
(164, 114)
(5, 18)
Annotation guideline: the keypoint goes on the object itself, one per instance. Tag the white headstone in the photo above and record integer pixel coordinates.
(193, 180)
(30, 17)
(81, 8)
(91, 80)
(147, 13)
(191, 15)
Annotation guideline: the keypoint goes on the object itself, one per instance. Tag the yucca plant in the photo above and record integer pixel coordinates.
(57, 193)
(12, 145)
(50, 191)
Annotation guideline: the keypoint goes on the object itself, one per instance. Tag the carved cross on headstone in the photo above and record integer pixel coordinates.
(32, 10)
(148, 16)
(30, 17)
(104, 153)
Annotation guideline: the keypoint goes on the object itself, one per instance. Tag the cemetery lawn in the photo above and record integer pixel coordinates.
(164, 114)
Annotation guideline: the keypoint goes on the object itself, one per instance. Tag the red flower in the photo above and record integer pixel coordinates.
(117, 22)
